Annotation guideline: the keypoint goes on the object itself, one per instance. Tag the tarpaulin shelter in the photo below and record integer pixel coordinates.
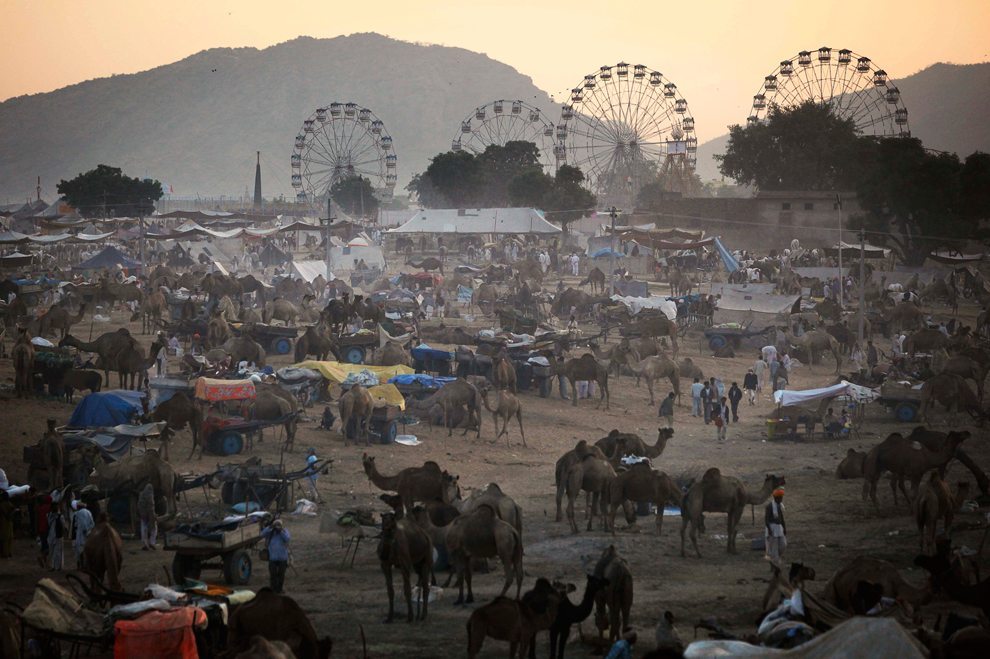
(110, 257)
(214, 390)
(851, 251)
(754, 310)
(955, 258)
(106, 409)
(844, 388)
(16, 260)
(159, 634)
(308, 270)
(478, 221)
(338, 371)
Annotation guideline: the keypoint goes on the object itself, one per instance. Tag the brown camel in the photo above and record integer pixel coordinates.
(841, 588)
(132, 365)
(58, 318)
(178, 412)
(506, 407)
(484, 297)
(273, 403)
(934, 502)
(618, 444)
(642, 484)
(657, 326)
(128, 472)
(515, 621)
(103, 554)
(905, 316)
(356, 403)
(424, 483)
(153, 308)
(689, 370)
(716, 493)
(594, 475)
(814, 343)
(587, 368)
(280, 309)
(491, 495)
(276, 618)
(22, 354)
(568, 460)
(77, 379)
(504, 374)
(851, 465)
(427, 264)
(392, 354)
(933, 440)
(654, 368)
(952, 392)
(961, 365)
(459, 393)
(53, 454)
(108, 346)
(406, 546)
(615, 600)
(244, 349)
(596, 279)
(218, 330)
(925, 340)
(315, 341)
(904, 460)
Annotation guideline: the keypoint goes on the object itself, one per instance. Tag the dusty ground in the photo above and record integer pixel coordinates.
(827, 521)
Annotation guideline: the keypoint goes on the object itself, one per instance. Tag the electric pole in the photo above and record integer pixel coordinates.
(862, 284)
(328, 222)
(842, 279)
(613, 213)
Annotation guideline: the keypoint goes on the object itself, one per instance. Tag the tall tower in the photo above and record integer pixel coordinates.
(257, 184)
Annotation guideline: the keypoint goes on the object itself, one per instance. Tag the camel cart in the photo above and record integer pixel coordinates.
(720, 336)
(276, 339)
(228, 435)
(354, 348)
(904, 401)
(197, 544)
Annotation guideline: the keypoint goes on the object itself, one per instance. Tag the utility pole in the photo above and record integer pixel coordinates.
(613, 213)
(838, 207)
(328, 222)
(141, 230)
(862, 284)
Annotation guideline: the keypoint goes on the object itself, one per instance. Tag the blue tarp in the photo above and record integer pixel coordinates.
(110, 257)
(421, 378)
(605, 251)
(106, 409)
(424, 352)
(730, 262)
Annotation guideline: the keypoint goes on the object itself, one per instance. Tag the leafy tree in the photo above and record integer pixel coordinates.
(530, 188)
(568, 200)
(453, 178)
(806, 147)
(105, 191)
(355, 196)
(975, 182)
(500, 164)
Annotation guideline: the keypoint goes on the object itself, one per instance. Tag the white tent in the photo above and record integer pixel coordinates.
(844, 388)
(309, 270)
(478, 221)
(345, 257)
(756, 310)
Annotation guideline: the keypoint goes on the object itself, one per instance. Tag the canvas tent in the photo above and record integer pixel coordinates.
(345, 257)
(477, 221)
(851, 251)
(844, 388)
(757, 311)
(308, 270)
(110, 257)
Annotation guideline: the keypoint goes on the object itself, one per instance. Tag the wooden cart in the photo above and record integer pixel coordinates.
(354, 348)
(193, 553)
(905, 401)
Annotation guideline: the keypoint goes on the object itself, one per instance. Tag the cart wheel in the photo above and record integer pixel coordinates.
(227, 443)
(906, 412)
(237, 568)
(545, 387)
(281, 346)
(354, 355)
(390, 432)
(717, 342)
(184, 567)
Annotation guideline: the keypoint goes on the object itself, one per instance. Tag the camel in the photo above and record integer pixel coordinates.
(22, 355)
(585, 367)
(904, 459)
(480, 533)
(945, 578)
(515, 621)
(356, 403)
(393, 354)
(961, 365)
(841, 588)
(406, 546)
(905, 316)
(484, 295)
(504, 374)
(934, 440)
(103, 554)
(424, 483)
(132, 472)
(654, 368)
(250, 315)
(276, 618)
(273, 403)
(718, 493)
(925, 340)
(569, 459)
(427, 264)
(680, 283)
(153, 308)
(851, 465)
(316, 342)
(952, 392)
(569, 614)
(77, 379)
(642, 484)
(814, 343)
(934, 502)
(594, 475)
(244, 349)
(506, 407)
(491, 495)
(596, 278)
(459, 393)
(108, 346)
(178, 412)
(616, 598)
(618, 444)
(280, 309)
(689, 370)
(131, 363)
(656, 326)
(58, 318)
(218, 330)
(53, 454)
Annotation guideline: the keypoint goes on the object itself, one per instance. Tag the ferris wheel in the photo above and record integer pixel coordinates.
(850, 83)
(504, 121)
(621, 125)
(341, 141)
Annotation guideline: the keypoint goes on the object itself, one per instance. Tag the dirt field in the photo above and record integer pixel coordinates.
(827, 521)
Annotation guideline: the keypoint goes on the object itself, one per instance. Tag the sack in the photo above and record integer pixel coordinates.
(263, 554)
(718, 422)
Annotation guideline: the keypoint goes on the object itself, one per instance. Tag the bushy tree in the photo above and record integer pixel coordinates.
(355, 196)
(105, 191)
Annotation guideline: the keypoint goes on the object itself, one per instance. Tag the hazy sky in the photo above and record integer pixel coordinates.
(716, 51)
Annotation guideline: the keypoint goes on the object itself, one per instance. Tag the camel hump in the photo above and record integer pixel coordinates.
(491, 508)
(711, 475)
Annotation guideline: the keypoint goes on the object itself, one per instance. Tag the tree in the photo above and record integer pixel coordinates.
(355, 196)
(106, 192)
(806, 147)
(568, 199)
(975, 182)
(530, 188)
(454, 178)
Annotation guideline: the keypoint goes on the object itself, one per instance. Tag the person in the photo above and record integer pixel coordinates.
(328, 419)
(706, 403)
(717, 387)
(575, 264)
(720, 416)
(441, 304)
(775, 529)
(830, 424)
(41, 510)
(774, 367)
(82, 524)
(622, 648)
(161, 358)
(667, 409)
(56, 532)
(696, 391)
(751, 384)
(735, 395)
(856, 359)
(277, 543)
(572, 326)
(872, 356)
(6, 525)
(147, 517)
(760, 369)
(312, 474)
(785, 362)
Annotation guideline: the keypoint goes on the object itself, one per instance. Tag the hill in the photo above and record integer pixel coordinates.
(196, 124)
(948, 106)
